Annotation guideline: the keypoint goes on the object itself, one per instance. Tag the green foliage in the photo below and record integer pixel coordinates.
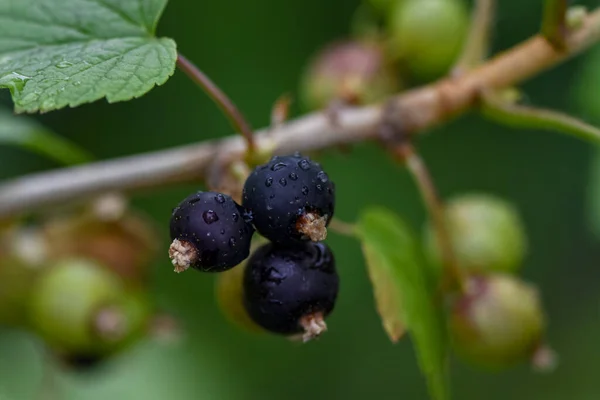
(27, 133)
(392, 253)
(58, 53)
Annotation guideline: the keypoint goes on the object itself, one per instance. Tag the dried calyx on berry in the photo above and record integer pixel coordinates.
(291, 290)
(291, 198)
(210, 232)
(498, 321)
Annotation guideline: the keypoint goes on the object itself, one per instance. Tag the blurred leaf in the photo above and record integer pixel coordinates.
(381, 267)
(391, 250)
(27, 133)
(57, 53)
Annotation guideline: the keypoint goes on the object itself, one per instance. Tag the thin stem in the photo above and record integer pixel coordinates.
(341, 227)
(520, 116)
(453, 276)
(229, 108)
(478, 40)
(554, 23)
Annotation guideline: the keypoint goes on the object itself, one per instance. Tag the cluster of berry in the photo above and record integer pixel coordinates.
(290, 284)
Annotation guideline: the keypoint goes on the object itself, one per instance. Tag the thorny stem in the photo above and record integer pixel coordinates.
(225, 103)
(476, 47)
(454, 276)
(416, 110)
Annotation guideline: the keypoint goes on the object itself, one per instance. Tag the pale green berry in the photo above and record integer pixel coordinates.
(486, 232)
(498, 322)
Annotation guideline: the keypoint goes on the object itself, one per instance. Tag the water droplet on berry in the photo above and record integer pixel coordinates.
(322, 176)
(278, 166)
(319, 188)
(232, 241)
(282, 182)
(220, 198)
(269, 208)
(222, 231)
(271, 196)
(293, 176)
(269, 182)
(304, 165)
(304, 190)
(210, 216)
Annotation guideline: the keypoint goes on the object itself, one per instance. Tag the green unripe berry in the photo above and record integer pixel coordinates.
(428, 35)
(498, 322)
(355, 72)
(230, 298)
(486, 232)
(82, 308)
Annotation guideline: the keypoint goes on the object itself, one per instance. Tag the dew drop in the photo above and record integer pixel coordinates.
(210, 216)
(219, 198)
(278, 166)
(269, 208)
(304, 165)
(319, 188)
(235, 217)
(282, 182)
(76, 83)
(269, 182)
(322, 176)
(293, 176)
(304, 190)
(232, 241)
(222, 231)
(64, 64)
(271, 196)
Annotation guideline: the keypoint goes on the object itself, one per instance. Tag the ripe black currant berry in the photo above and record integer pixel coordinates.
(290, 290)
(210, 232)
(291, 199)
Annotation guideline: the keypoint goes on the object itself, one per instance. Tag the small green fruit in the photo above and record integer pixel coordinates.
(487, 234)
(354, 72)
(498, 322)
(83, 309)
(428, 35)
(230, 298)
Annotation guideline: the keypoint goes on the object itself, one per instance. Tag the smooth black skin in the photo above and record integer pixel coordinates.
(283, 284)
(278, 192)
(221, 244)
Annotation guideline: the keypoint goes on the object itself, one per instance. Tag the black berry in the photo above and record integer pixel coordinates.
(210, 232)
(291, 198)
(290, 290)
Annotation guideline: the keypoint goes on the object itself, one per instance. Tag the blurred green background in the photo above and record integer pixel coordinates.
(256, 51)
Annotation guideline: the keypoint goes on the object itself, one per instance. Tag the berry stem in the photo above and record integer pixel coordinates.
(454, 277)
(476, 46)
(342, 227)
(218, 96)
(554, 23)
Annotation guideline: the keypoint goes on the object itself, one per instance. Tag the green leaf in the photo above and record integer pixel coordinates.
(391, 249)
(27, 133)
(58, 53)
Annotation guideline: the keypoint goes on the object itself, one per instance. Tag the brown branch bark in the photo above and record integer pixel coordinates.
(412, 111)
